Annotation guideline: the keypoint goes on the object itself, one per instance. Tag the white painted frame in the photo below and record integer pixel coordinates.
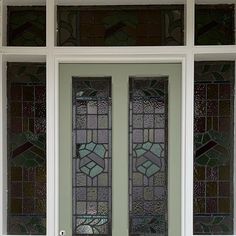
(54, 55)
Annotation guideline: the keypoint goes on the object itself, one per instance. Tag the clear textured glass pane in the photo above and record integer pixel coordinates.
(214, 24)
(214, 148)
(92, 180)
(148, 156)
(121, 25)
(26, 26)
(26, 99)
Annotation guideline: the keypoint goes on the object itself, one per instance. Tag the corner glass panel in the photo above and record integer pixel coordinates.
(161, 25)
(26, 26)
(148, 156)
(92, 163)
(214, 148)
(215, 24)
(26, 136)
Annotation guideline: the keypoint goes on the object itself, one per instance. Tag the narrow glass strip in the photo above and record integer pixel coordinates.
(214, 148)
(92, 163)
(148, 156)
(26, 136)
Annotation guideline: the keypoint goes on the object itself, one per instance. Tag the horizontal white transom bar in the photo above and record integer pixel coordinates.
(24, 2)
(118, 2)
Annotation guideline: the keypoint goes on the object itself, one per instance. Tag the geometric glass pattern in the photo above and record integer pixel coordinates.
(26, 126)
(213, 148)
(159, 25)
(92, 197)
(26, 26)
(214, 24)
(148, 156)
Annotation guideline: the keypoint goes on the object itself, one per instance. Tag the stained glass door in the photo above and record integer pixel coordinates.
(119, 149)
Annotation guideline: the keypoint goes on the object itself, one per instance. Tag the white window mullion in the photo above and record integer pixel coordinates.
(51, 116)
(234, 149)
(190, 22)
(3, 148)
(187, 145)
(51, 139)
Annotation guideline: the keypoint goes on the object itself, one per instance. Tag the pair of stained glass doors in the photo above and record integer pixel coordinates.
(119, 149)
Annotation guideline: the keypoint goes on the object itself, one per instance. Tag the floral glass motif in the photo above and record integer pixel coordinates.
(26, 98)
(26, 26)
(121, 25)
(92, 156)
(214, 145)
(214, 24)
(148, 156)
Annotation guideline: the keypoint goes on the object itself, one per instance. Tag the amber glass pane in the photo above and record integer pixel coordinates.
(92, 164)
(26, 99)
(26, 26)
(214, 24)
(121, 25)
(148, 157)
(214, 148)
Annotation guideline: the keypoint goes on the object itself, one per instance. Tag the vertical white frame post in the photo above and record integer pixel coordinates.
(234, 178)
(3, 147)
(1, 22)
(4, 23)
(187, 122)
(190, 19)
(51, 138)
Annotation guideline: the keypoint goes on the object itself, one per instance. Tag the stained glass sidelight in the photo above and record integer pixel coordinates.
(214, 24)
(92, 181)
(214, 148)
(148, 156)
(121, 25)
(26, 98)
(26, 26)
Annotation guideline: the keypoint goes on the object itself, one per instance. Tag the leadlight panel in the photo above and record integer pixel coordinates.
(92, 160)
(26, 136)
(161, 25)
(215, 24)
(214, 148)
(26, 26)
(148, 157)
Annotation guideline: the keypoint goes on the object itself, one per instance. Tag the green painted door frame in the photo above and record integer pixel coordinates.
(120, 74)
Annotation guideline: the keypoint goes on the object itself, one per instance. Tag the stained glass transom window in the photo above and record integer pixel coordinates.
(214, 24)
(148, 157)
(26, 99)
(92, 180)
(121, 25)
(26, 26)
(214, 148)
